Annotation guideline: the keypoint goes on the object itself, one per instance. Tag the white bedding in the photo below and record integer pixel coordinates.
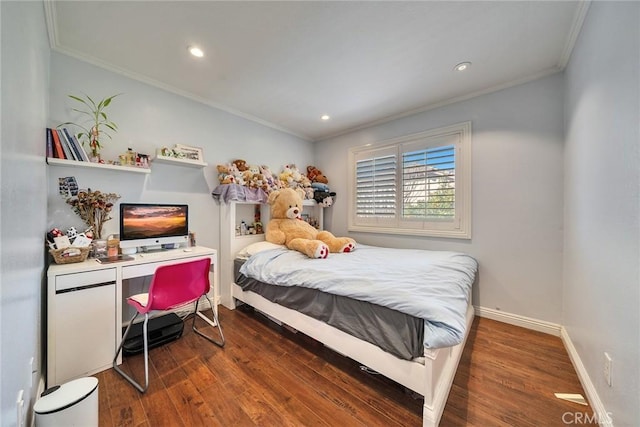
(432, 285)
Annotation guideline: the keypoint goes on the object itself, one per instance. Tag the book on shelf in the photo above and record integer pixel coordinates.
(65, 142)
(68, 154)
(49, 143)
(75, 146)
(81, 148)
(57, 145)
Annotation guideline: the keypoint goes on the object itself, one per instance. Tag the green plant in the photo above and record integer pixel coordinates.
(96, 120)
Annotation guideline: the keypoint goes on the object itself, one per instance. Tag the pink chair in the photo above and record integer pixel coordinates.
(172, 286)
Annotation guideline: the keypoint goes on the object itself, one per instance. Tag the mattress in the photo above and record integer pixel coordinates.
(397, 333)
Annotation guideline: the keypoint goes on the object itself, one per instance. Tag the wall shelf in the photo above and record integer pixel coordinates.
(76, 164)
(179, 162)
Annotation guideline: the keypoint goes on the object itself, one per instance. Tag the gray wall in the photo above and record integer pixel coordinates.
(149, 118)
(517, 150)
(25, 92)
(602, 237)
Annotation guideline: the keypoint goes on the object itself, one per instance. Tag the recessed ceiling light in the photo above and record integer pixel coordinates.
(462, 66)
(324, 117)
(196, 51)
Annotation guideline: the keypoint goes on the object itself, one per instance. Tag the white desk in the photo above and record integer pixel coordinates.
(84, 309)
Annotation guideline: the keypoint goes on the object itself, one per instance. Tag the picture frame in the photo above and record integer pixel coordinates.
(190, 153)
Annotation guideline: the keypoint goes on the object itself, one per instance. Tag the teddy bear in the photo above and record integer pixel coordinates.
(272, 183)
(290, 177)
(286, 227)
(305, 185)
(224, 175)
(254, 169)
(241, 165)
(286, 176)
(295, 172)
(315, 175)
(257, 181)
(238, 177)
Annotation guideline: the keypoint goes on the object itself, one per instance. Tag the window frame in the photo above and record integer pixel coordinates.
(458, 135)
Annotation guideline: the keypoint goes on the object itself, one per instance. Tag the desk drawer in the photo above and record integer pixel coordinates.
(80, 280)
(148, 269)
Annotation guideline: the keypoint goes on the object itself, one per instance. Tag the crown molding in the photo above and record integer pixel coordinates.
(50, 19)
(168, 88)
(444, 103)
(576, 27)
(50, 15)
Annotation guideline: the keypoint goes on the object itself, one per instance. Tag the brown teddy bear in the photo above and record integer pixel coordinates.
(286, 227)
(241, 165)
(315, 175)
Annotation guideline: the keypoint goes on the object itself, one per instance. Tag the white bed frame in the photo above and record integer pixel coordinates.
(431, 379)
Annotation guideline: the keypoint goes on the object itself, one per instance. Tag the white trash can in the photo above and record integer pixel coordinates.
(72, 404)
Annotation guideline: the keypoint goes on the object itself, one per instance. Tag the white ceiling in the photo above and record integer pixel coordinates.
(285, 64)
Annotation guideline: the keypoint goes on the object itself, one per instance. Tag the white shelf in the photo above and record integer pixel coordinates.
(76, 164)
(179, 162)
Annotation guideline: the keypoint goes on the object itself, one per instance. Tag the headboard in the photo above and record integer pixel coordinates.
(231, 215)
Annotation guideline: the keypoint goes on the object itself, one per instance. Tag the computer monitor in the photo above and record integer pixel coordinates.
(152, 226)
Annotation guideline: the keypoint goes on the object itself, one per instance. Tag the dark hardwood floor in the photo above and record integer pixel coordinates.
(268, 376)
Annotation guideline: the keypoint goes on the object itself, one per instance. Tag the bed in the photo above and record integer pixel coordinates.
(269, 278)
(426, 370)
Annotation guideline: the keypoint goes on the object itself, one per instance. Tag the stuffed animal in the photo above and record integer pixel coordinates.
(290, 177)
(305, 184)
(295, 173)
(286, 227)
(72, 233)
(257, 181)
(254, 169)
(238, 177)
(241, 165)
(319, 186)
(315, 175)
(309, 192)
(286, 176)
(324, 198)
(224, 175)
(272, 183)
(327, 201)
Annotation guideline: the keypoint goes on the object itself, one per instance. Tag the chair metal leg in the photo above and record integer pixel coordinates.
(146, 355)
(216, 323)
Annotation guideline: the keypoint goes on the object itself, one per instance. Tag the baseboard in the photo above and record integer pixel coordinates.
(517, 320)
(600, 412)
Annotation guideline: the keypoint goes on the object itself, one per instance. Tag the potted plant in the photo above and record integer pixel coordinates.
(94, 207)
(96, 124)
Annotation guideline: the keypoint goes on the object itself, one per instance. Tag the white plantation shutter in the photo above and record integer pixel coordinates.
(419, 184)
(376, 186)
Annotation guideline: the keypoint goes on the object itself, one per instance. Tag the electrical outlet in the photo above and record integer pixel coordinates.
(607, 368)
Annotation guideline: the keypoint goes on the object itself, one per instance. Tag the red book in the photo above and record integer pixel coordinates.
(59, 153)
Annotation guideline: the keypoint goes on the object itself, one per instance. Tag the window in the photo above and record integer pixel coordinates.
(418, 184)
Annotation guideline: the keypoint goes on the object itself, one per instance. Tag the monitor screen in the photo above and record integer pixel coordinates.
(153, 224)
